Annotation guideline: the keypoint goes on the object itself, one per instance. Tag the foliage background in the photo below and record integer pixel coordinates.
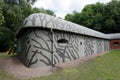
(101, 17)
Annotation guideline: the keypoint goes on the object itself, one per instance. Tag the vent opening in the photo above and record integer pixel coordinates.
(62, 41)
(116, 44)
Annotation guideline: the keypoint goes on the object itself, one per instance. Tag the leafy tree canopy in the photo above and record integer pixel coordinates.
(1, 14)
(6, 38)
(18, 10)
(99, 16)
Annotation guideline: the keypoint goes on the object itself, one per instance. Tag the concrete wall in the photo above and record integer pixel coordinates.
(35, 47)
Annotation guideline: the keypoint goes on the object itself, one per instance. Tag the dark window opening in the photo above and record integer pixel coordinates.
(62, 41)
(116, 44)
(80, 43)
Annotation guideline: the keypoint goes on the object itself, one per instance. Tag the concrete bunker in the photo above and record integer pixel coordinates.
(44, 40)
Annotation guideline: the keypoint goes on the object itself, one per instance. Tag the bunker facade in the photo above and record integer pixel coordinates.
(44, 40)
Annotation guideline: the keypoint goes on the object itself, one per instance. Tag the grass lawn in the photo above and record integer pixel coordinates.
(105, 67)
(5, 55)
(6, 76)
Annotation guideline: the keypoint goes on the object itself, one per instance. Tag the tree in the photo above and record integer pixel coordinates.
(17, 12)
(42, 10)
(15, 18)
(112, 18)
(69, 17)
(109, 23)
(1, 15)
(91, 16)
(101, 17)
(12, 2)
(6, 38)
(50, 12)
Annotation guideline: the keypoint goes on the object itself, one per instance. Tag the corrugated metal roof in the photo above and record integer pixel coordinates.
(114, 36)
(47, 21)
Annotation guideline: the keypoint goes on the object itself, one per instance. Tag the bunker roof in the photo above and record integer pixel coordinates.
(114, 36)
(51, 22)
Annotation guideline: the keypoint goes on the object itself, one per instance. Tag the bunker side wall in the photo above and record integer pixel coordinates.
(78, 46)
(37, 45)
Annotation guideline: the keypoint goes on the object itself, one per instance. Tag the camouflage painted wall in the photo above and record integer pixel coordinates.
(36, 48)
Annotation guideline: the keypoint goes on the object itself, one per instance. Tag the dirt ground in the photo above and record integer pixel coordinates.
(13, 65)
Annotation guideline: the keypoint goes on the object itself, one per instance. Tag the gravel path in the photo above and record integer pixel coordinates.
(13, 65)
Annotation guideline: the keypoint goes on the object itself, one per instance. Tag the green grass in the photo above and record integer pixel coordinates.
(105, 67)
(6, 76)
(5, 55)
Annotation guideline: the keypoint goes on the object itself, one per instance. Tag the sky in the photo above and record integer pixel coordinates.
(63, 7)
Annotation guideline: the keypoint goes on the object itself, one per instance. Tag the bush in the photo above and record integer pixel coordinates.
(6, 38)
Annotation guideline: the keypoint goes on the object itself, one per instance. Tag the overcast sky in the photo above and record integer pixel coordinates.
(63, 7)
